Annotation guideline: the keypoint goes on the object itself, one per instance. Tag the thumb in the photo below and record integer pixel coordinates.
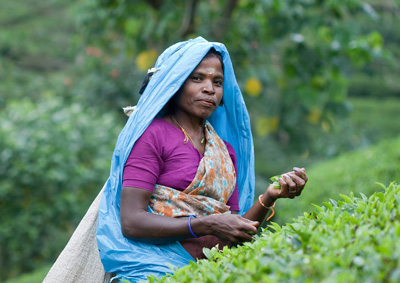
(251, 222)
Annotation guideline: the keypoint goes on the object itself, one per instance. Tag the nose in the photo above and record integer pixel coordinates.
(208, 87)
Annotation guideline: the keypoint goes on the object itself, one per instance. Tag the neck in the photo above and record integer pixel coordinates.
(192, 131)
(192, 125)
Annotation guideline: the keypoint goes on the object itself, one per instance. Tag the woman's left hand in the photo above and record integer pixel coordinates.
(292, 184)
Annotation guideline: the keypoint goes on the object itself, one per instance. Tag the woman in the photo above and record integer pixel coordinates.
(176, 188)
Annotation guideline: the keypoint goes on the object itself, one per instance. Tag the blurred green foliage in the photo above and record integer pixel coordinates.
(371, 120)
(291, 62)
(352, 172)
(53, 161)
(379, 78)
(349, 239)
(374, 119)
(33, 277)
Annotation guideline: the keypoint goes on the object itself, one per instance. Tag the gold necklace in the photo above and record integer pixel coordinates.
(187, 136)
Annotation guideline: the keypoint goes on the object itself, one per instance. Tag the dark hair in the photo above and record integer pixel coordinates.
(212, 51)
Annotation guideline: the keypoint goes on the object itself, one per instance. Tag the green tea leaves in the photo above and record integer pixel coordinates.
(275, 182)
(354, 240)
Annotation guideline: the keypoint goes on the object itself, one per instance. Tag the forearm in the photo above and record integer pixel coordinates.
(138, 223)
(156, 229)
(146, 225)
(291, 185)
(257, 212)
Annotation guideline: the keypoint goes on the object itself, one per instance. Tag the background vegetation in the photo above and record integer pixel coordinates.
(319, 79)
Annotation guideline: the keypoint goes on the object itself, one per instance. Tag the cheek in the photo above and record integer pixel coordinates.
(184, 100)
(221, 96)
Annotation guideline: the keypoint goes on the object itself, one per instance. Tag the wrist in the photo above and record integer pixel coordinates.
(267, 199)
(203, 225)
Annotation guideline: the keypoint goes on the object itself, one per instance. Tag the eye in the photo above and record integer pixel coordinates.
(196, 78)
(219, 82)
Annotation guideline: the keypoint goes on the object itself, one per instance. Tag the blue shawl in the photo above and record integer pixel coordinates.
(134, 260)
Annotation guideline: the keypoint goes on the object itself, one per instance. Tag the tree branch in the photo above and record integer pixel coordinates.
(156, 4)
(187, 26)
(224, 23)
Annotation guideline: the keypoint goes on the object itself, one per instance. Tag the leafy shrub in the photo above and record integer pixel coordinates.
(36, 276)
(374, 85)
(352, 172)
(54, 158)
(370, 124)
(291, 63)
(98, 80)
(353, 240)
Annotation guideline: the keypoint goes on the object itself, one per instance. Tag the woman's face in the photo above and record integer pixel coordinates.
(202, 91)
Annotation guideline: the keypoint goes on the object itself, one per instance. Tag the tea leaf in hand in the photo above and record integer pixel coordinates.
(275, 183)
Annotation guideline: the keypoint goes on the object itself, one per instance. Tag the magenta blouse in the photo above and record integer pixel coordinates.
(160, 156)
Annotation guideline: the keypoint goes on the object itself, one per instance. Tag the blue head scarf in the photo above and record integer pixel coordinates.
(134, 259)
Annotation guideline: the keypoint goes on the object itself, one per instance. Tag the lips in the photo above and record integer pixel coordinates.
(208, 101)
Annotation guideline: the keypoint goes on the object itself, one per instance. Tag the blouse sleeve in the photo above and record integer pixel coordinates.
(233, 201)
(144, 162)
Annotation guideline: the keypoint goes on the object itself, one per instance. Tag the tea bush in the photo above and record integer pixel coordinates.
(54, 158)
(351, 240)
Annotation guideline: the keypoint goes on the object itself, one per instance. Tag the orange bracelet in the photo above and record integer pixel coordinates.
(267, 207)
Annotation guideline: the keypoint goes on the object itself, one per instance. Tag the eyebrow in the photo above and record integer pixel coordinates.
(205, 74)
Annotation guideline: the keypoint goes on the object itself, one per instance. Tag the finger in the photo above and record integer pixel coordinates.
(284, 189)
(302, 169)
(289, 180)
(251, 222)
(251, 231)
(245, 237)
(290, 187)
(300, 184)
(247, 225)
(249, 228)
(299, 181)
(300, 172)
(240, 236)
(304, 174)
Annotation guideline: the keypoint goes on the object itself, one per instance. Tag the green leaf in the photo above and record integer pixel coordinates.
(275, 226)
(207, 252)
(328, 205)
(275, 183)
(346, 198)
(320, 209)
(381, 185)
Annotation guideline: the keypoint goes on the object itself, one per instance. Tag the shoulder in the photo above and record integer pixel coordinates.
(161, 135)
(154, 135)
(158, 125)
(157, 129)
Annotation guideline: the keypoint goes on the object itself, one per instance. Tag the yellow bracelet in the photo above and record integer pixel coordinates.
(267, 207)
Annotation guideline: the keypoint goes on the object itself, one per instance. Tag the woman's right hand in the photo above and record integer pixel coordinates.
(229, 228)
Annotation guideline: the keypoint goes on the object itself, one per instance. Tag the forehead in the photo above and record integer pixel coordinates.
(210, 63)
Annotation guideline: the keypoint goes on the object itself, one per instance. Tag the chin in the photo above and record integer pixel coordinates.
(205, 115)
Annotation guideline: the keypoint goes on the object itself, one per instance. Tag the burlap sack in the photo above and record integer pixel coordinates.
(80, 260)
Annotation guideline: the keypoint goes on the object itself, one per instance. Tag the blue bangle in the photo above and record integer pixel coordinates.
(190, 227)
